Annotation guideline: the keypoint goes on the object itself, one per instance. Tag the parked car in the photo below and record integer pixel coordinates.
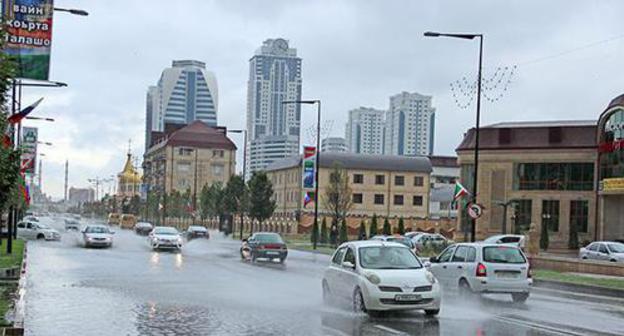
(97, 235)
(508, 239)
(376, 276)
(31, 218)
(413, 234)
(143, 228)
(484, 268)
(264, 245)
(72, 224)
(398, 239)
(196, 231)
(127, 221)
(33, 230)
(603, 250)
(431, 240)
(165, 237)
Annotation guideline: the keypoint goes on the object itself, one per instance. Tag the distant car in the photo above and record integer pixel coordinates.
(39, 231)
(603, 250)
(398, 239)
(434, 240)
(484, 268)
(508, 239)
(165, 237)
(413, 234)
(97, 235)
(113, 218)
(196, 231)
(76, 216)
(72, 224)
(127, 221)
(378, 276)
(264, 245)
(143, 228)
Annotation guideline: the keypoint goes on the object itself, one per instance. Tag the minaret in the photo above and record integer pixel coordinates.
(66, 173)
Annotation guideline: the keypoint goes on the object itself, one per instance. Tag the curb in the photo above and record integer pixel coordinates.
(577, 288)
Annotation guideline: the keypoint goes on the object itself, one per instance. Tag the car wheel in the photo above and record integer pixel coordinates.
(584, 258)
(358, 301)
(432, 312)
(464, 289)
(40, 236)
(613, 260)
(282, 260)
(519, 297)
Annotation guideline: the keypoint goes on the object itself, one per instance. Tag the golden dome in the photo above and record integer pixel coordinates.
(129, 174)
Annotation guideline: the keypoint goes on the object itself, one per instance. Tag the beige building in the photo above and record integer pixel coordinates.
(189, 158)
(389, 186)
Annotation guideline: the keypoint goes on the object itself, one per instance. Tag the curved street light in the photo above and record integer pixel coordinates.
(79, 12)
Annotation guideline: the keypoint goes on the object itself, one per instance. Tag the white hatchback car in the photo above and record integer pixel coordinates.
(484, 268)
(380, 276)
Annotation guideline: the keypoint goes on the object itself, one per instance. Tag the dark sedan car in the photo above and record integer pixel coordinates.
(264, 245)
(196, 231)
(143, 228)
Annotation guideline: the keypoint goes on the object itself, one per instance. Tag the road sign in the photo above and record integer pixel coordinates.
(475, 210)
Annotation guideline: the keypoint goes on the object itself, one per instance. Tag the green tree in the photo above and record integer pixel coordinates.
(544, 239)
(212, 204)
(343, 232)
(314, 235)
(401, 226)
(261, 203)
(235, 197)
(573, 242)
(372, 230)
(134, 205)
(338, 197)
(362, 231)
(204, 199)
(387, 230)
(324, 234)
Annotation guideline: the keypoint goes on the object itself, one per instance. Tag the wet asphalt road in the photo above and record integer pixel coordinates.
(207, 290)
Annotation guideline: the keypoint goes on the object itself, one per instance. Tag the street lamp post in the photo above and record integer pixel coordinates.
(79, 12)
(318, 155)
(244, 131)
(476, 149)
(505, 205)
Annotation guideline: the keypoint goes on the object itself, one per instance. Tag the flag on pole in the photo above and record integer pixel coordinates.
(17, 118)
(460, 191)
(24, 189)
(307, 199)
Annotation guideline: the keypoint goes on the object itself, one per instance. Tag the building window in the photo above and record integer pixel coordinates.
(554, 176)
(399, 180)
(217, 170)
(357, 198)
(379, 199)
(398, 199)
(183, 167)
(185, 151)
(550, 215)
(523, 213)
(218, 153)
(419, 181)
(579, 211)
(417, 200)
(358, 178)
(380, 179)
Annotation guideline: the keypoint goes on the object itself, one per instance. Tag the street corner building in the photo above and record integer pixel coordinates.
(567, 175)
(389, 186)
(188, 158)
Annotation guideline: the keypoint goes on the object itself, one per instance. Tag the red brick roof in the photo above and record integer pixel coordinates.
(198, 135)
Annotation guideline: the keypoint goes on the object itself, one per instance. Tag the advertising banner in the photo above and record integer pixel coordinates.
(29, 149)
(29, 36)
(309, 160)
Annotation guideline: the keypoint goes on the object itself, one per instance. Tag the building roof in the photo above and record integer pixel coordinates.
(419, 164)
(129, 174)
(197, 135)
(533, 135)
(443, 161)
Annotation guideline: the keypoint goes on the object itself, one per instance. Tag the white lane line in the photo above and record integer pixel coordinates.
(545, 327)
(388, 329)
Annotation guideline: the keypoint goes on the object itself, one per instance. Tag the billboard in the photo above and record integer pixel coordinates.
(309, 174)
(29, 149)
(29, 36)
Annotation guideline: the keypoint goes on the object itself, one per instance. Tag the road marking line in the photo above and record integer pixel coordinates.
(545, 327)
(388, 329)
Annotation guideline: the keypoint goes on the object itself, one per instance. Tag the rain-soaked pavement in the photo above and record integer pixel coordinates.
(207, 290)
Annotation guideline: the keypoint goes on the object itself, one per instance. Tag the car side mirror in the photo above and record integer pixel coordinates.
(427, 264)
(244, 240)
(348, 264)
(433, 260)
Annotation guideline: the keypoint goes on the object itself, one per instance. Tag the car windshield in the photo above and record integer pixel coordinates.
(43, 226)
(165, 231)
(387, 257)
(268, 238)
(400, 240)
(503, 255)
(616, 248)
(97, 229)
(197, 228)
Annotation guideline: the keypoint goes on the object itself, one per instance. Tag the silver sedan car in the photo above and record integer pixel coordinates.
(603, 250)
(97, 236)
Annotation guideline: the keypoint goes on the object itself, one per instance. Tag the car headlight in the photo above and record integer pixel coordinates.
(430, 278)
(180, 240)
(373, 278)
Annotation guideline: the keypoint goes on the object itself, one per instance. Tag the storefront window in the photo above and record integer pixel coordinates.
(554, 176)
(523, 213)
(550, 214)
(579, 211)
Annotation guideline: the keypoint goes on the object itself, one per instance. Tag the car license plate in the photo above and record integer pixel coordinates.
(272, 253)
(507, 275)
(407, 297)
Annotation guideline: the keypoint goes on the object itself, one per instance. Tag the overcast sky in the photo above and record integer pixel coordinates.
(355, 53)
